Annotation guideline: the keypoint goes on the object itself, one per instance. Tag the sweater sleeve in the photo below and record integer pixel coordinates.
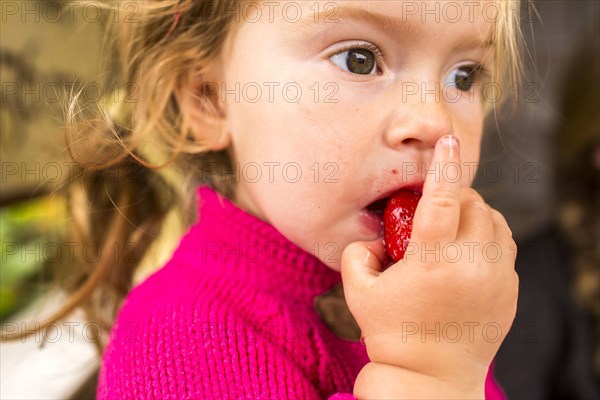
(342, 396)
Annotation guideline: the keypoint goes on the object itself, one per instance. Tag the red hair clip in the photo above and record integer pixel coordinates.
(175, 22)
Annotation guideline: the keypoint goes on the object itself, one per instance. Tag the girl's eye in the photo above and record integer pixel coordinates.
(358, 60)
(464, 77)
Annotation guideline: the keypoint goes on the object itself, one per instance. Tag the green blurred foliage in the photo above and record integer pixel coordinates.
(29, 242)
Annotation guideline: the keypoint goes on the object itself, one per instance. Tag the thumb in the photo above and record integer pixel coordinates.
(362, 262)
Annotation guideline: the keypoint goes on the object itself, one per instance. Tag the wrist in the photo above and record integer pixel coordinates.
(378, 380)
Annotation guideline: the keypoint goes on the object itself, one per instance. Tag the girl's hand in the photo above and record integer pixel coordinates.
(444, 309)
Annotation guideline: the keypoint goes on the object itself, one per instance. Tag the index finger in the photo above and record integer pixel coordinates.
(438, 214)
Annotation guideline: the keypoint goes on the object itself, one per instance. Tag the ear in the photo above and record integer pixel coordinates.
(202, 112)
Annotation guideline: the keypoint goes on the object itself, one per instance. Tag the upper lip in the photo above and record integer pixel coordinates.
(416, 186)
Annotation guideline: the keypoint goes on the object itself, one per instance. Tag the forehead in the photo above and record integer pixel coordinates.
(473, 19)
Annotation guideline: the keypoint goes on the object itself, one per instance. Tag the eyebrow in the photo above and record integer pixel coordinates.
(378, 21)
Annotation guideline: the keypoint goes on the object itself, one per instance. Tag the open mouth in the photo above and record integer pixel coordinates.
(378, 206)
(372, 215)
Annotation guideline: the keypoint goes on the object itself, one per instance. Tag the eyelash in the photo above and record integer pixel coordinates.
(369, 46)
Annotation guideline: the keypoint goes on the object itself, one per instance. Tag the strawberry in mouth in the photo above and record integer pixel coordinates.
(398, 218)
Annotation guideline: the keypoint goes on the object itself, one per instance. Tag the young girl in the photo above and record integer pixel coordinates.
(280, 126)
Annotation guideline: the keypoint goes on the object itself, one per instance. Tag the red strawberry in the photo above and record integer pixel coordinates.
(398, 220)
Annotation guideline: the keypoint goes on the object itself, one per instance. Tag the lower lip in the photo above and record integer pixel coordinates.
(372, 222)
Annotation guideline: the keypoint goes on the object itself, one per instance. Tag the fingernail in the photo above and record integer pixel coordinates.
(452, 143)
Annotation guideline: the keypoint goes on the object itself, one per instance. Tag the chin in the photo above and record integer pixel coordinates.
(336, 266)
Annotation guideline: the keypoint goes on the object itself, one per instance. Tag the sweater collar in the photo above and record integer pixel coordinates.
(254, 249)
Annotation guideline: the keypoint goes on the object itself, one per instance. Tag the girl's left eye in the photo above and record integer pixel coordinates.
(359, 59)
(464, 77)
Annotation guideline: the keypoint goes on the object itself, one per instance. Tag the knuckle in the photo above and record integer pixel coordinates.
(498, 215)
(499, 218)
(513, 247)
(470, 194)
(470, 198)
(516, 280)
(443, 199)
(481, 206)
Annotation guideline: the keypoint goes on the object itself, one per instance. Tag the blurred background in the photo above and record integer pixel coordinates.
(540, 167)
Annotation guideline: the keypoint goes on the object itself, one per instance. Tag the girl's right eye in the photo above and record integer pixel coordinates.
(360, 59)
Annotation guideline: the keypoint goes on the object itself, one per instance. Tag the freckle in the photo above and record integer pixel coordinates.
(394, 171)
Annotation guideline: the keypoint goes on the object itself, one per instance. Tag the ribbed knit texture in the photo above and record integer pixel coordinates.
(231, 316)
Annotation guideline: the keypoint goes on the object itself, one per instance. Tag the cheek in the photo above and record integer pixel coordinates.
(291, 143)
(468, 124)
(473, 133)
(303, 131)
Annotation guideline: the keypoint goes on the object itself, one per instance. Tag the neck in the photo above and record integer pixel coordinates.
(249, 248)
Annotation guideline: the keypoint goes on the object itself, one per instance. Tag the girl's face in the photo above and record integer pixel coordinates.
(327, 117)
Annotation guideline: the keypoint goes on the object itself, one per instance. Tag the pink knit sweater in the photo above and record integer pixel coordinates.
(231, 316)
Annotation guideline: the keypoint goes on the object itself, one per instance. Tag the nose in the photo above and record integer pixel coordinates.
(418, 121)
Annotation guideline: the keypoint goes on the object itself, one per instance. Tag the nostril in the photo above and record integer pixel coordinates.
(408, 141)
